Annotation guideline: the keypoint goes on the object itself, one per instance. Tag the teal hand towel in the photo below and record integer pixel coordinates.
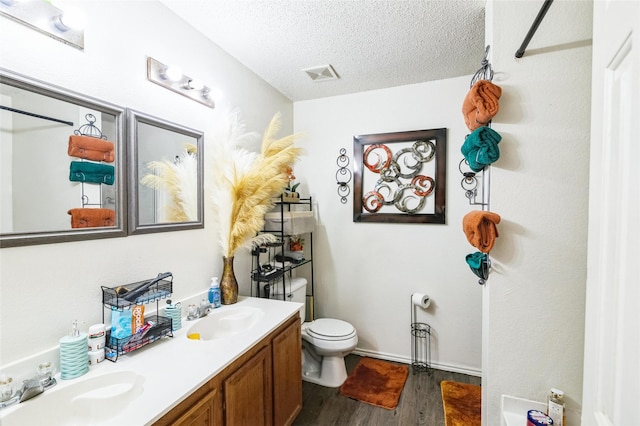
(478, 263)
(480, 148)
(86, 171)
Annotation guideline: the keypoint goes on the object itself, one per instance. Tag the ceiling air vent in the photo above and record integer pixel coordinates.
(321, 73)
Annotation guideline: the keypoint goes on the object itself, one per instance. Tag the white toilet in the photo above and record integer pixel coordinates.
(325, 342)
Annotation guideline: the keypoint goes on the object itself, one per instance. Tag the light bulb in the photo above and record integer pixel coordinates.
(173, 73)
(70, 19)
(195, 84)
(213, 93)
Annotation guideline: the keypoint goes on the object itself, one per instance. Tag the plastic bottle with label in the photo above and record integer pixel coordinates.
(214, 293)
(555, 407)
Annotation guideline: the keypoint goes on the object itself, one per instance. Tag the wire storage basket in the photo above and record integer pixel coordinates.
(420, 347)
(420, 337)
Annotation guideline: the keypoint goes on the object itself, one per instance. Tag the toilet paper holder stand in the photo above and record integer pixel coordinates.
(420, 343)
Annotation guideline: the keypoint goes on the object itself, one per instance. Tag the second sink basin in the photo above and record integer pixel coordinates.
(86, 401)
(226, 322)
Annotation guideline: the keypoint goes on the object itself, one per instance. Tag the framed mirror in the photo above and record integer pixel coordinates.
(62, 164)
(165, 175)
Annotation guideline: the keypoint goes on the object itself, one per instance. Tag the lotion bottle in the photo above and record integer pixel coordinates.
(555, 407)
(214, 293)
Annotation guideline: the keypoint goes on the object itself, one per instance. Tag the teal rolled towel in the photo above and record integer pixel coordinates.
(86, 171)
(478, 263)
(480, 148)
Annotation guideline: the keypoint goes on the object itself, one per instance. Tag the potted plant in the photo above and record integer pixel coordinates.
(296, 243)
(290, 194)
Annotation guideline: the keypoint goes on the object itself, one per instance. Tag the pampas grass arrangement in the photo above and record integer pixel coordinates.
(244, 183)
(180, 180)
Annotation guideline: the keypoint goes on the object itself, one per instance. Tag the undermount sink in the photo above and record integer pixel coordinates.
(226, 322)
(90, 401)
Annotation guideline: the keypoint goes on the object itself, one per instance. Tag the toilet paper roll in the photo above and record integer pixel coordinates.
(421, 300)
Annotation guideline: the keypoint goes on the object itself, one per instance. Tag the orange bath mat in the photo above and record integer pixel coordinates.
(376, 382)
(462, 403)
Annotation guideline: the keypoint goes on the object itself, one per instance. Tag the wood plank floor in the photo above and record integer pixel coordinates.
(420, 402)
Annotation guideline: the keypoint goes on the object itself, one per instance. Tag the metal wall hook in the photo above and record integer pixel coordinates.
(486, 71)
(475, 184)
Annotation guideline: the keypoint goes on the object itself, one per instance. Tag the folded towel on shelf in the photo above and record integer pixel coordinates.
(480, 148)
(91, 148)
(481, 104)
(480, 228)
(86, 171)
(92, 218)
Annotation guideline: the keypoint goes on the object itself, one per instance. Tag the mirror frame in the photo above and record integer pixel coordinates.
(134, 118)
(19, 239)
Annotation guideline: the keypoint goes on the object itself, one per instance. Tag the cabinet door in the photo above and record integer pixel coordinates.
(206, 412)
(248, 396)
(287, 375)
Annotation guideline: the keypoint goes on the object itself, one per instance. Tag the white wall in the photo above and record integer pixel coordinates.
(43, 288)
(366, 272)
(534, 300)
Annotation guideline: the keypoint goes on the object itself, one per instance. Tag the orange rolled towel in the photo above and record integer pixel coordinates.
(480, 228)
(481, 104)
(92, 218)
(91, 148)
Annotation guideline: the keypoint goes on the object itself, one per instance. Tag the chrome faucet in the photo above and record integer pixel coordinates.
(194, 312)
(30, 388)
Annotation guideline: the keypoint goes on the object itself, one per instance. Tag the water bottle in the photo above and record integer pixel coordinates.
(214, 293)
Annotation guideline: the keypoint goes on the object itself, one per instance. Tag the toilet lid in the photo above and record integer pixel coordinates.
(329, 328)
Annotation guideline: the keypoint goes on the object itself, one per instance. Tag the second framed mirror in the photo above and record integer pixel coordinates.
(165, 175)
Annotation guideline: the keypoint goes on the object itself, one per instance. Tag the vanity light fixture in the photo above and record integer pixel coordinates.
(44, 17)
(172, 78)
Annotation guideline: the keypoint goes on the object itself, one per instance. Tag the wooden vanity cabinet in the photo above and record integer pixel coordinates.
(262, 387)
(248, 397)
(287, 374)
(205, 411)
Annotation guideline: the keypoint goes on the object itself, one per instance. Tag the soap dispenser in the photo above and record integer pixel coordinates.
(214, 293)
(74, 355)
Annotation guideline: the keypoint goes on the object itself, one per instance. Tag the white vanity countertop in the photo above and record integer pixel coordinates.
(175, 367)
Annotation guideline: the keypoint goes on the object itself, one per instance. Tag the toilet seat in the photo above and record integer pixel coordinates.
(330, 329)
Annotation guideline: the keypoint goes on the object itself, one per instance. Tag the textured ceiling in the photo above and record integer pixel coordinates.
(371, 44)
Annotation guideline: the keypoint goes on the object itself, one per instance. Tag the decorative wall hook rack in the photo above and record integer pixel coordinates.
(90, 129)
(477, 185)
(343, 175)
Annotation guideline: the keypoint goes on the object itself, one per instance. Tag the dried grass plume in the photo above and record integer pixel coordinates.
(180, 181)
(244, 183)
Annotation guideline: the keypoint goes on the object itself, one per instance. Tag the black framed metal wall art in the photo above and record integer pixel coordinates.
(400, 177)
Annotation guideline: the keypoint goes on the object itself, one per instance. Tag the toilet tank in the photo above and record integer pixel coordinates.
(296, 289)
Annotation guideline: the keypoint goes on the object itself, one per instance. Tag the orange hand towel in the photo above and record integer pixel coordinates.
(480, 229)
(91, 148)
(481, 104)
(92, 218)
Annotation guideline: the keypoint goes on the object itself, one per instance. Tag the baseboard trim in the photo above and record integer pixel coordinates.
(405, 360)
